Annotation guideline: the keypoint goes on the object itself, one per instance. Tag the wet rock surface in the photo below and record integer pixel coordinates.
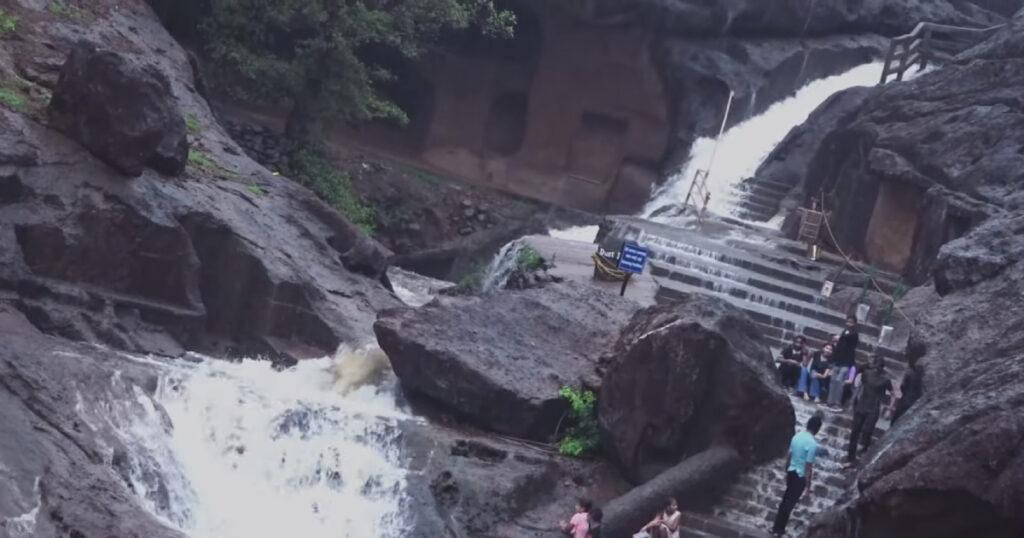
(227, 259)
(499, 360)
(685, 376)
(468, 483)
(59, 439)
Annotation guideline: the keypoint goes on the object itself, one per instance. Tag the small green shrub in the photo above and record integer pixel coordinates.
(472, 283)
(311, 169)
(63, 9)
(529, 260)
(12, 99)
(200, 160)
(192, 124)
(8, 23)
(583, 437)
(257, 190)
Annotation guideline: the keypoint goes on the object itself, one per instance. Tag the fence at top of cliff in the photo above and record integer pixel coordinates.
(930, 43)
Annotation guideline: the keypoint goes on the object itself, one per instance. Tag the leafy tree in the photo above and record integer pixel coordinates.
(318, 53)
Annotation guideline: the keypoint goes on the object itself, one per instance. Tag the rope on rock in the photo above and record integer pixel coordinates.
(605, 270)
(852, 265)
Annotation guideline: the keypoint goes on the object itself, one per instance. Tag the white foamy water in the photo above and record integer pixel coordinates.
(745, 146)
(584, 234)
(245, 451)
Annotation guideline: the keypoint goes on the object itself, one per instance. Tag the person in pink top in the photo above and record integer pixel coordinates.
(579, 525)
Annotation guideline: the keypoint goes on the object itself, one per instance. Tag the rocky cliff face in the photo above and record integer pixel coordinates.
(225, 258)
(907, 167)
(953, 465)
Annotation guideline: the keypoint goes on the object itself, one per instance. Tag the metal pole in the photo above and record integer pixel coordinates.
(625, 282)
(721, 131)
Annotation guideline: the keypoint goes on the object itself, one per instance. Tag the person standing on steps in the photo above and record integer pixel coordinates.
(803, 449)
(845, 353)
(790, 362)
(874, 385)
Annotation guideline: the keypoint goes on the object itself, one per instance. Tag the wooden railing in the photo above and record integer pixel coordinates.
(929, 43)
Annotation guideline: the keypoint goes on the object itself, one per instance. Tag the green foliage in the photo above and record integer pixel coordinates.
(315, 52)
(311, 169)
(192, 124)
(12, 99)
(8, 23)
(583, 437)
(63, 9)
(257, 190)
(200, 160)
(529, 260)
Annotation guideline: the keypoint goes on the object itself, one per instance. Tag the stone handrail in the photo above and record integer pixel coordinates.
(930, 42)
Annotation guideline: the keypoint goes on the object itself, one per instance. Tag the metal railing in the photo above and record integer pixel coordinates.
(928, 43)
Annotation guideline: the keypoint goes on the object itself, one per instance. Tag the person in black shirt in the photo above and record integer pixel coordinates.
(843, 361)
(790, 362)
(874, 386)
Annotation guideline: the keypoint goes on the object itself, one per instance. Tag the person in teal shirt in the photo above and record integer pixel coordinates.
(799, 472)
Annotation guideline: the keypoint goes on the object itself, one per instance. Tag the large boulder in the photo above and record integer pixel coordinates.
(688, 375)
(500, 360)
(122, 110)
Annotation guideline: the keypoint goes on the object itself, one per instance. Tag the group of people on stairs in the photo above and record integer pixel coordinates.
(835, 371)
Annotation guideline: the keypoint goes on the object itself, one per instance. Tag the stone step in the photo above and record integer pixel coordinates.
(760, 197)
(765, 185)
(706, 525)
(720, 284)
(764, 282)
(758, 206)
(754, 497)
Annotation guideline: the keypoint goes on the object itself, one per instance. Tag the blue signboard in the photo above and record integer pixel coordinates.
(633, 258)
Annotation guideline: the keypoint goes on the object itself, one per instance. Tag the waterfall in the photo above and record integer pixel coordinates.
(246, 451)
(746, 145)
(501, 266)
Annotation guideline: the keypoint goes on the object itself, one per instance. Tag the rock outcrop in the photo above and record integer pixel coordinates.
(227, 259)
(499, 360)
(953, 465)
(684, 377)
(919, 163)
(123, 111)
(65, 471)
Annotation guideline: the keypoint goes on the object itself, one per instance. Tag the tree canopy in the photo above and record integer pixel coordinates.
(317, 52)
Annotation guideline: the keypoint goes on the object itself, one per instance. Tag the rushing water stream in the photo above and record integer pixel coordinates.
(746, 145)
(253, 452)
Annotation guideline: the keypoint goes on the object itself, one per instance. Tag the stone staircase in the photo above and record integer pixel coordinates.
(770, 278)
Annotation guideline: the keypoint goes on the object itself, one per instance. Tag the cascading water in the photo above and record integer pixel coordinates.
(247, 451)
(745, 146)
